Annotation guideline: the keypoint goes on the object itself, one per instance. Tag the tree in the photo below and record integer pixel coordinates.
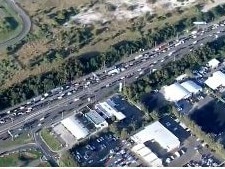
(124, 134)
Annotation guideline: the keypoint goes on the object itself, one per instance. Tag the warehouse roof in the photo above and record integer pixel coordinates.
(75, 127)
(157, 163)
(112, 111)
(156, 131)
(147, 155)
(144, 151)
(150, 157)
(216, 80)
(95, 117)
(191, 86)
(138, 147)
(176, 92)
(213, 63)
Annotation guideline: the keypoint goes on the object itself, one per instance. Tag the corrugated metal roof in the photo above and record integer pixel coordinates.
(76, 128)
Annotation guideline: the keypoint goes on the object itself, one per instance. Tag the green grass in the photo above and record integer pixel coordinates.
(66, 160)
(21, 159)
(22, 139)
(9, 161)
(13, 24)
(50, 140)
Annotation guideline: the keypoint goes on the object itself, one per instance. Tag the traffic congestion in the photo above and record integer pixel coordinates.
(142, 64)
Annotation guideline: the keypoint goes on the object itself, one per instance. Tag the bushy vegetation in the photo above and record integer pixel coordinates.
(79, 66)
(66, 160)
(167, 75)
(173, 69)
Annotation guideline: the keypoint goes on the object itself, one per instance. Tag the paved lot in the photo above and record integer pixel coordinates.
(105, 150)
(133, 114)
(64, 134)
(175, 128)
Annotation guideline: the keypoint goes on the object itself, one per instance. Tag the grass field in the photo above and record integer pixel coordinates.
(29, 158)
(10, 23)
(48, 36)
(66, 160)
(22, 139)
(50, 140)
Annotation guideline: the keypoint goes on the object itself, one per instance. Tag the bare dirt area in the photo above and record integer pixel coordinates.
(213, 3)
(111, 21)
(33, 6)
(111, 10)
(32, 49)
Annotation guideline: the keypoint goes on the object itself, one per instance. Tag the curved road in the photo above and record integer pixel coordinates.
(26, 25)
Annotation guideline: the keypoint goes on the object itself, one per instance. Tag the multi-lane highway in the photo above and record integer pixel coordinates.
(26, 25)
(75, 94)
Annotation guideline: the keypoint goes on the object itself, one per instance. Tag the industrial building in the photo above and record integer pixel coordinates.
(214, 63)
(216, 80)
(75, 127)
(177, 91)
(192, 87)
(95, 118)
(108, 110)
(147, 155)
(158, 133)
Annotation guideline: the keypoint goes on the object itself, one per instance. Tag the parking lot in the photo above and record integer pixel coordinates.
(206, 160)
(105, 150)
(175, 128)
(132, 113)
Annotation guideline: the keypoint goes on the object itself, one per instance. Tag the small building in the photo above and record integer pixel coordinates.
(95, 118)
(214, 63)
(75, 127)
(150, 158)
(157, 132)
(192, 87)
(175, 92)
(181, 77)
(216, 80)
(107, 108)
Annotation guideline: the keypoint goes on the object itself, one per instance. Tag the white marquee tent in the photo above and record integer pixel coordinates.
(175, 92)
(216, 80)
(191, 87)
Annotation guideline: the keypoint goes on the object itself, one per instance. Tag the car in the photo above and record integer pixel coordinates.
(172, 157)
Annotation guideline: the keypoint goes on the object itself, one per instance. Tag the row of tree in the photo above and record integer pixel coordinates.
(75, 67)
(171, 70)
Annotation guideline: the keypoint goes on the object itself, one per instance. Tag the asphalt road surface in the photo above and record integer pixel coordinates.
(26, 25)
(146, 65)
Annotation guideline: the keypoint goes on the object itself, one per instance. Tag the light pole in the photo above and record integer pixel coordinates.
(62, 115)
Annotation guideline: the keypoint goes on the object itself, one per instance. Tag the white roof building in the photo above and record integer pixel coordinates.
(110, 111)
(144, 151)
(156, 163)
(150, 157)
(191, 87)
(181, 77)
(175, 92)
(75, 127)
(216, 80)
(213, 63)
(157, 132)
(138, 147)
(147, 155)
